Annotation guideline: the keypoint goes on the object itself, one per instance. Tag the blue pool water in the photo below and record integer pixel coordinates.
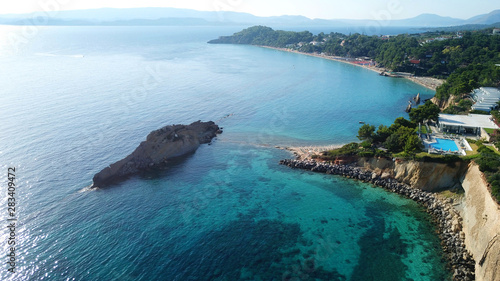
(446, 145)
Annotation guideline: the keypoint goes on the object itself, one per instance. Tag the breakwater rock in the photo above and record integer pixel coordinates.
(448, 221)
(160, 146)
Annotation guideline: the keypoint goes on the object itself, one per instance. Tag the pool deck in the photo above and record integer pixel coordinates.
(460, 142)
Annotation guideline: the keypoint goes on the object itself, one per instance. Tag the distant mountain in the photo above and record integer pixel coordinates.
(465, 27)
(490, 18)
(428, 20)
(108, 15)
(173, 16)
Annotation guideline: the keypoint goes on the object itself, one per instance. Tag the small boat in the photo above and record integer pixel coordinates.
(361, 122)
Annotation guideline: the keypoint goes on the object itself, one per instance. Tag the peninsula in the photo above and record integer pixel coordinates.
(160, 146)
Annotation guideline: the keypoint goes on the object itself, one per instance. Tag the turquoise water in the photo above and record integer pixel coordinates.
(444, 144)
(75, 99)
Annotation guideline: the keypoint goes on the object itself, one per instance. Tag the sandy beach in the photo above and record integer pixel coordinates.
(305, 152)
(428, 82)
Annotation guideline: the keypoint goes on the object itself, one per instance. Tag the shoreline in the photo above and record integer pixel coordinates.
(446, 218)
(427, 82)
(305, 152)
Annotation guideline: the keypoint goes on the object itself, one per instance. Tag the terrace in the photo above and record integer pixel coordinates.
(471, 125)
(449, 135)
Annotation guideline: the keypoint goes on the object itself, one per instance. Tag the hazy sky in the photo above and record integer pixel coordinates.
(325, 9)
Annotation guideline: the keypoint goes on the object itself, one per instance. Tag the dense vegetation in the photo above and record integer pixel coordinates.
(399, 139)
(265, 36)
(489, 163)
(467, 78)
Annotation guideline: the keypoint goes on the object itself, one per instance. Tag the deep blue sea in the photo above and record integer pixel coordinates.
(76, 99)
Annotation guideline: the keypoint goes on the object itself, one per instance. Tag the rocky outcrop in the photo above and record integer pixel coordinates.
(159, 147)
(447, 219)
(481, 224)
(428, 176)
(443, 104)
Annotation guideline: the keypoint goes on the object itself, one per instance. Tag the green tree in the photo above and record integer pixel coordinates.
(402, 122)
(383, 132)
(427, 111)
(397, 141)
(392, 143)
(366, 132)
(413, 144)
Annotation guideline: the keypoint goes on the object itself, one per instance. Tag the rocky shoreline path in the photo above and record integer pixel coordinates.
(447, 219)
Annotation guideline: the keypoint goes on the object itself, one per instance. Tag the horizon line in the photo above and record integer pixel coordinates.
(229, 11)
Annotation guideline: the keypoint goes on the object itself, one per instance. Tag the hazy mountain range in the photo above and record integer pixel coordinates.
(173, 16)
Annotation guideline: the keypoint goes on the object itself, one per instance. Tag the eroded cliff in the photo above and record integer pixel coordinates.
(481, 225)
(479, 212)
(427, 176)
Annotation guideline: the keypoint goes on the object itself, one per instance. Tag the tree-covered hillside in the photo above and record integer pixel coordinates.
(265, 36)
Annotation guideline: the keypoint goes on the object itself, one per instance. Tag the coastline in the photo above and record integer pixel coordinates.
(447, 219)
(427, 82)
(306, 152)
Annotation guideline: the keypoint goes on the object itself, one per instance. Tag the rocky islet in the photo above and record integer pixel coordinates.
(159, 147)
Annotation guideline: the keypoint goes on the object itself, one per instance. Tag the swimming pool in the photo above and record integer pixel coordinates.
(445, 145)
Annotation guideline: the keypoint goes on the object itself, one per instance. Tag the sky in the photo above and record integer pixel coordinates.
(324, 9)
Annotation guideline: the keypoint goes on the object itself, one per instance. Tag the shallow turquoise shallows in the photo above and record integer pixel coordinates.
(75, 99)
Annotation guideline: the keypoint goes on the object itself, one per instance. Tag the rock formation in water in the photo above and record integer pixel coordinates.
(160, 146)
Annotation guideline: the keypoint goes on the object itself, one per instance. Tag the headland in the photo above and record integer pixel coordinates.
(468, 221)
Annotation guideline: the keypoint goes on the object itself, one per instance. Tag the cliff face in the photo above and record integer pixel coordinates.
(160, 146)
(479, 212)
(481, 225)
(443, 104)
(426, 176)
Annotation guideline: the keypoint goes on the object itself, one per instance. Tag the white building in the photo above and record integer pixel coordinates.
(465, 124)
(485, 98)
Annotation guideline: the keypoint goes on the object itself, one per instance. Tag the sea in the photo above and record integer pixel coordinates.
(76, 99)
